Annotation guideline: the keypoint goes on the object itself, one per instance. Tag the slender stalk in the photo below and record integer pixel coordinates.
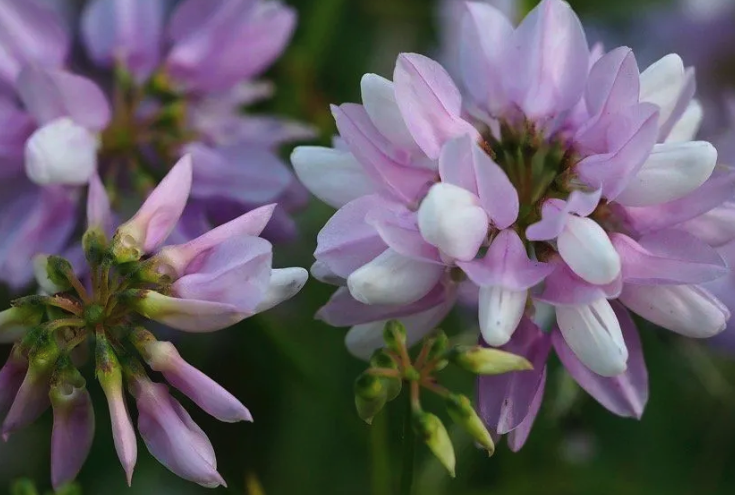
(380, 456)
(409, 442)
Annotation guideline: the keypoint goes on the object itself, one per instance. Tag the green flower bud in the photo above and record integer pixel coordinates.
(94, 242)
(23, 487)
(461, 411)
(486, 361)
(370, 396)
(383, 360)
(394, 335)
(438, 345)
(432, 432)
(50, 273)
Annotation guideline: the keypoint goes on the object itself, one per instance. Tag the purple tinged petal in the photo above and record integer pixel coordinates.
(231, 42)
(379, 100)
(506, 264)
(485, 36)
(348, 241)
(715, 227)
(430, 103)
(517, 437)
(123, 433)
(11, 377)
(235, 272)
(668, 257)
(17, 128)
(173, 438)
(555, 214)
(31, 400)
(190, 315)
(160, 212)
(343, 310)
(179, 257)
(387, 164)
(72, 434)
(51, 94)
(99, 212)
(30, 34)
(205, 392)
(505, 400)
(465, 164)
(613, 82)
(129, 32)
(629, 137)
(564, 287)
(626, 394)
(398, 227)
(549, 58)
(240, 172)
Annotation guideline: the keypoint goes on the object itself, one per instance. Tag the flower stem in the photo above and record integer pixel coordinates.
(408, 449)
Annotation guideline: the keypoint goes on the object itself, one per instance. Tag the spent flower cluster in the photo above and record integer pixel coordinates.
(203, 285)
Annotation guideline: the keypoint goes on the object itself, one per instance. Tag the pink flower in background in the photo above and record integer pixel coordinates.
(162, 84)
(203, 285)
(548, 173)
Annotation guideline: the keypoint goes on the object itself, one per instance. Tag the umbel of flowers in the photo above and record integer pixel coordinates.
(554, 176)
(203, 285)
(150, 85)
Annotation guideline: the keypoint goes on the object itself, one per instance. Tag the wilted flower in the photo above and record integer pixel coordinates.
(561, 175)
(204, 285)
(175, 84)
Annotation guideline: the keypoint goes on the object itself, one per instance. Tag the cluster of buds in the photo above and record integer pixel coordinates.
(204, 285)
(391, 366)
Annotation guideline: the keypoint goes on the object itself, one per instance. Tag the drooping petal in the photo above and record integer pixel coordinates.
(668, 257)
(72, 434)
(625, 394)
(129, 32)
(205, 392)
(504, 401)
(485, 35)
(123, 433)
(393, 279)
(332, 175)
(61, 152)
(430, 103)
(672, 171)
(549, 59)
(31, 400)
(51, 94)
(451, 219)
(11, 377)
(187, 314)
(500, 312)
(587, 249)
(518, 436)
(379, 100)
(685, 309)
(464, 164)
(158, 216)
(593, 333)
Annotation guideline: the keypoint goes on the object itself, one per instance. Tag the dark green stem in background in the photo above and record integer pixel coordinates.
(409, 444)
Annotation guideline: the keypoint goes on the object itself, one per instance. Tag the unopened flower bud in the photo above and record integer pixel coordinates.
(432, 432)
(394, 335)
(51, 273)
(383, 360)
(109, 374)
(461, 411)
(94, 242)
(23, 487)
(73, 430)
(485, 361)
(61, 152)
(370, 396)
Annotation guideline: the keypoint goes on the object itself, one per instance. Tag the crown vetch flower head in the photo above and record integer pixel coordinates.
(548, 173)
(205, 284)
(179, 79)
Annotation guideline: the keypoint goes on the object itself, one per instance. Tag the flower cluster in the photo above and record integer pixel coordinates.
(555, 176)
(157, 86)
(203, 285)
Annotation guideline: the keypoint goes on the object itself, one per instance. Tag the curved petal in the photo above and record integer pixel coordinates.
(187, 314)
(587, 249)
(379, 100)
(500, 312)
(687, 127)
(564, 287)
(518, 436)
(399, 228)
(614, 82)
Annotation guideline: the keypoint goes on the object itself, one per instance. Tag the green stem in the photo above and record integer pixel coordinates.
(409, 443)
(380, 456)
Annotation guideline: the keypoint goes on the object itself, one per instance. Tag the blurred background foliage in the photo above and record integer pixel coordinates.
(296, 376)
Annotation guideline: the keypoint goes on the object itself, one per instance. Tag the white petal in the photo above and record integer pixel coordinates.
(284, 284)
(662, 83)
(688, 125)
(501, 311)
(587, 249)
(332, 175)
(393, 279)
(672, 171)
(451, 219)
(685, 309)
(379, 100)
(61, 152)
(47, 286)
(321, 271)
(593, 333)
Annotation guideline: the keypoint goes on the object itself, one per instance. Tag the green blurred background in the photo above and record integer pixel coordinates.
(296, 376)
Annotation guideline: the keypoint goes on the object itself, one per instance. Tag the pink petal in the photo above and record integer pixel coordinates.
(613, 83)
(188, 314)
(99, 213)
(564, 287)
(72, 435)
(430, 103)
(518, 436)
(398, 228)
